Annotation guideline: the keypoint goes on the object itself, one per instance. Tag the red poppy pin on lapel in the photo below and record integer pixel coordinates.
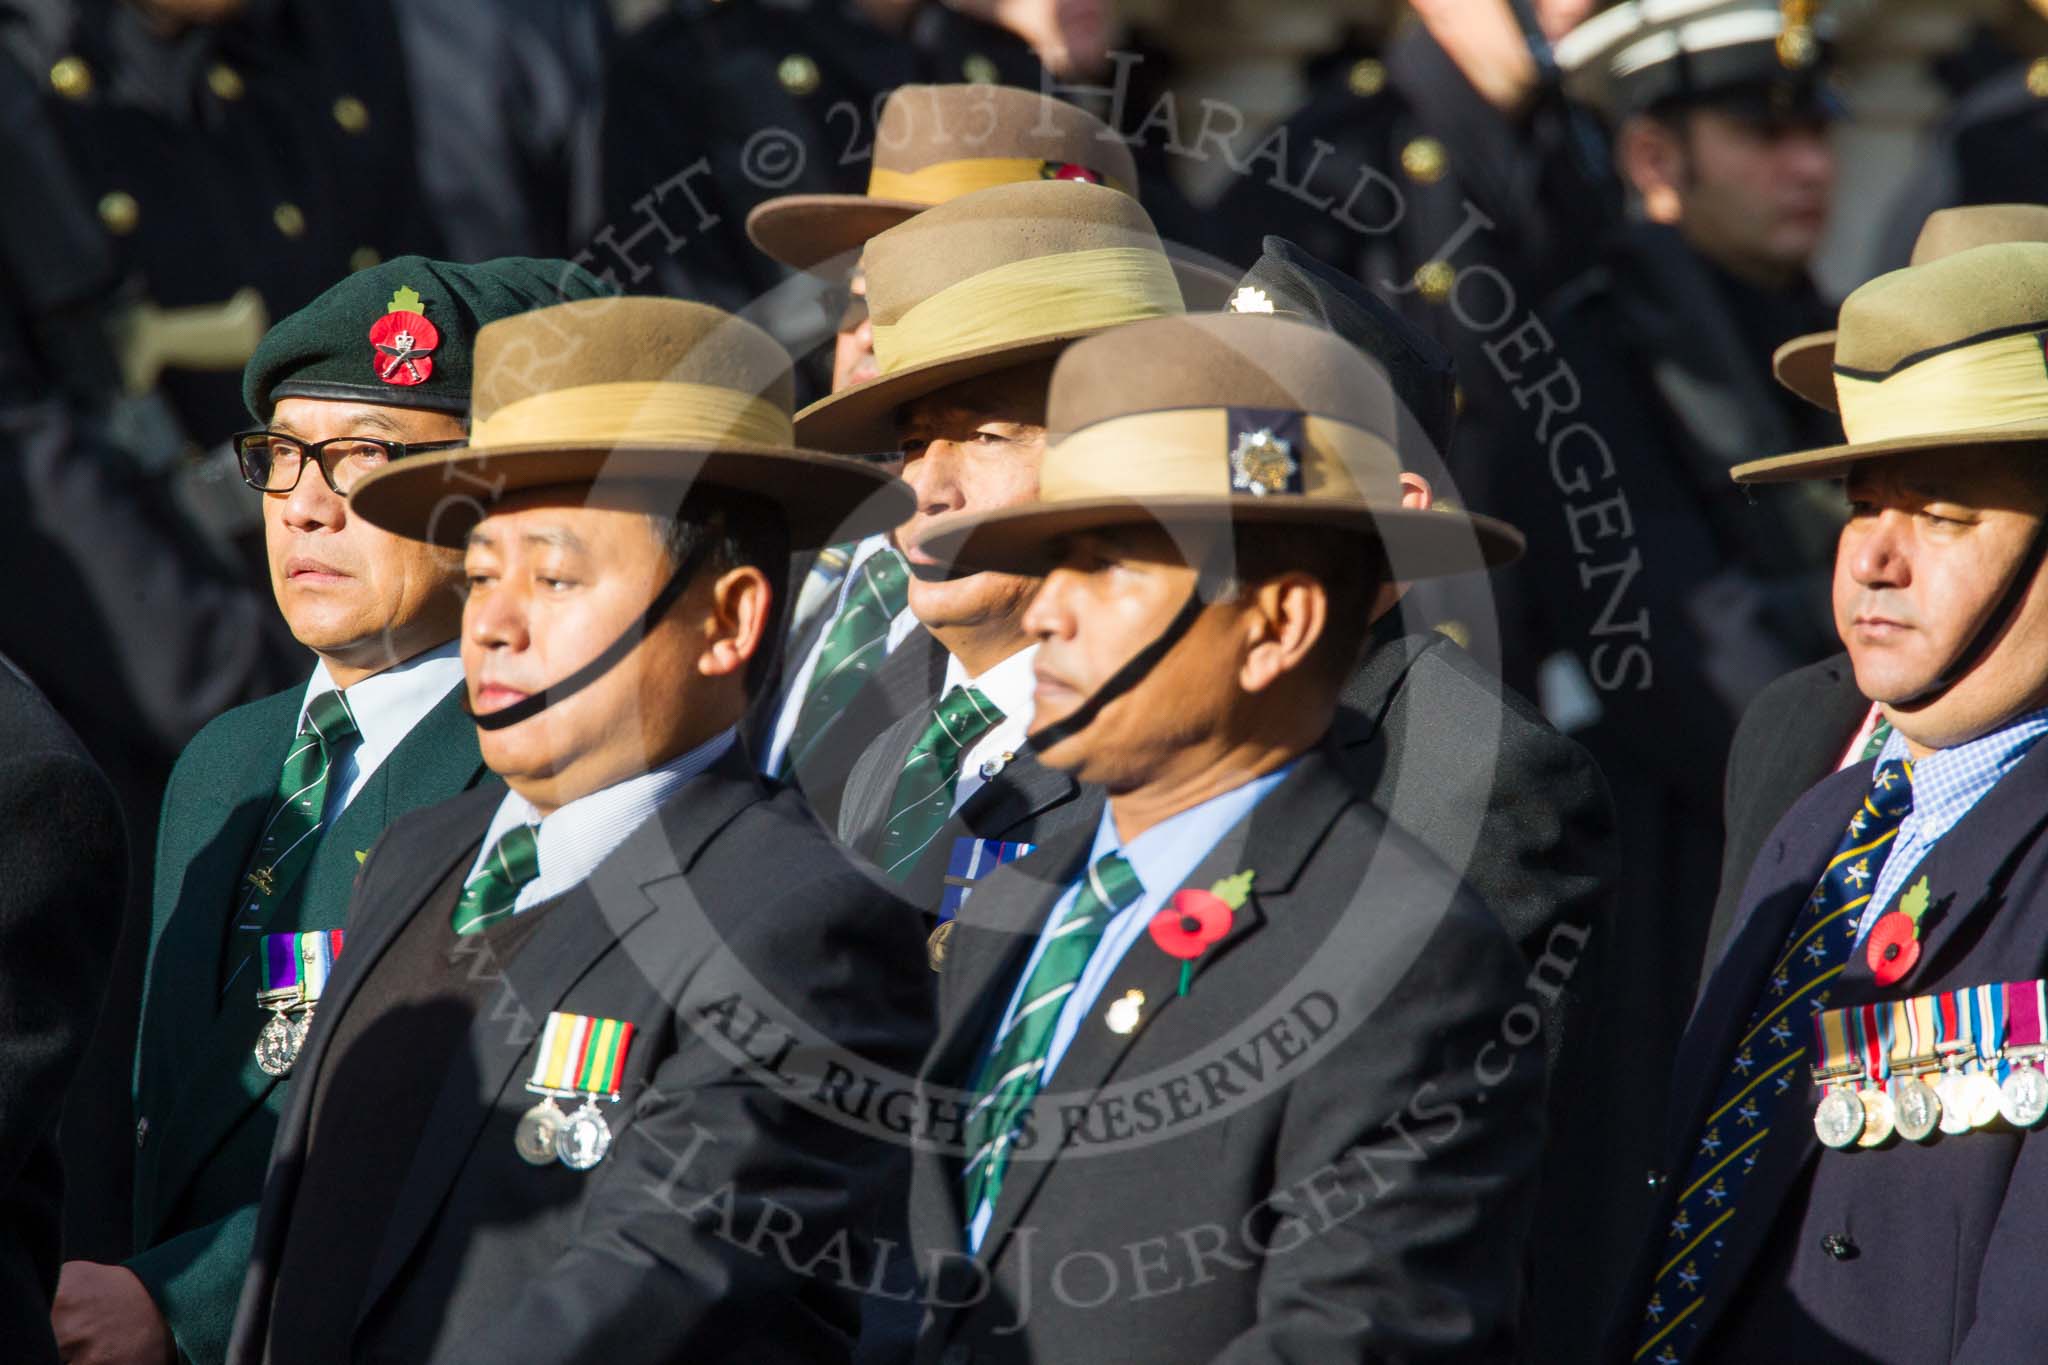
(404, 341)
(1894, 944)
(1195, 919)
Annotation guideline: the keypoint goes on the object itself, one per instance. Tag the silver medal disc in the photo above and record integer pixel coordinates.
(1917, 1110)
(535, 1137)
(2023, 1098)
(584, 1139)
(1954, 1093)
(1981, 1093)
(277, 1047)
(1838, 1120)
(1880, 1118)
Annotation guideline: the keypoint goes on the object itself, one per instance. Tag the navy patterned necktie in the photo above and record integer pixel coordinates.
(1765, 1068)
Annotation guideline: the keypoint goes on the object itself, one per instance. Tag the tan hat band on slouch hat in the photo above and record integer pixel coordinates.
(1027, 299)
(943, 180)
(631, 412)
(1946, 355)
(1174, 453)
(1975, 385)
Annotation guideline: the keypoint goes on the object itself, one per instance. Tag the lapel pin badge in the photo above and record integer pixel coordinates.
(990, 767)
(1122, 1016)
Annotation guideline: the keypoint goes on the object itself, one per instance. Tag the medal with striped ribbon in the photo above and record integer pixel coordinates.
(2023, 1089)
(295, 969)
(1988, 1043)
(578, 1055)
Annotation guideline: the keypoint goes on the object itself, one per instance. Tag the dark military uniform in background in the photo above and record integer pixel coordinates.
(1985, 150)
(156, 169)
(1392, 169)
(772, 97)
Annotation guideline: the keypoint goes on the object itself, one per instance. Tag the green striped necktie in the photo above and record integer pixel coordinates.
(923, 800)
(1016, 1065)
(490, 895)
(856, 643)
(292, 831)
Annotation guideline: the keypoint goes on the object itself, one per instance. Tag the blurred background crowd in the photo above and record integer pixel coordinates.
(1611, 273)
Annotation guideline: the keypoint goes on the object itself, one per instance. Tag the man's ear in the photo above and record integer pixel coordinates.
(1651, 158)
(1284, 620)
(735, 621)
(1416, 493)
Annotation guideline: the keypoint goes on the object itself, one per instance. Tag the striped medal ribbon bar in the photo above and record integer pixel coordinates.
(581, 1055)
(973, 859)
(295, 967)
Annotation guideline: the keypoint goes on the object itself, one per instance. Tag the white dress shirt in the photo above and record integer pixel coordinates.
(386, 706)
(575, 838)
(1009, 685)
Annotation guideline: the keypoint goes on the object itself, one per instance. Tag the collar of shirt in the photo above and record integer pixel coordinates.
(386, 706)
(572, 841)
(1947, 785)
(1010, 685)
(1164, 857)
(792, 699)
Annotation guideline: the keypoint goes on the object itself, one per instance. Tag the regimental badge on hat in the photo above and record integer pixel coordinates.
(1250, 298)
(404, 341)
(1262, 451)
(1797, 47)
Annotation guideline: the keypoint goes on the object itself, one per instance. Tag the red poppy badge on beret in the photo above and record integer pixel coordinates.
(1195, 919)
(404, 341)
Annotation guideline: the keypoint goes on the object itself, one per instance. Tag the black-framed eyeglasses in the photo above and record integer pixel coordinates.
(273, 463)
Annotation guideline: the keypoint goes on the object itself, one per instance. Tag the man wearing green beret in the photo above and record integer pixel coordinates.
(271, 807)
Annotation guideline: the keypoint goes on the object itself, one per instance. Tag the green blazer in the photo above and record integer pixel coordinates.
(206, 1111)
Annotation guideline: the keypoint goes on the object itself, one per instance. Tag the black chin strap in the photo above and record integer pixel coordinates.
(2001, 615)
(618, 649)
(1208, 582)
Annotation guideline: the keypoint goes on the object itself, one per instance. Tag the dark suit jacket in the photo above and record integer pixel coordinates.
(1943, 1240)
(728, 906)
(1521, 813)
(1323, 1151)
(1791, 737)
(1026, 802)
(62, 872)
(207, 1112)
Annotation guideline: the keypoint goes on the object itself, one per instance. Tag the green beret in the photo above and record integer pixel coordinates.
(401, 334)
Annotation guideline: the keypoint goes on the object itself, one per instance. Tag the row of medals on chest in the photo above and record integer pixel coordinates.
(1855, 1111)
(545, 1134)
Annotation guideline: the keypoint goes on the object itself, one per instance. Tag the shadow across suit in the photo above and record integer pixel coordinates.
(1312, 1155)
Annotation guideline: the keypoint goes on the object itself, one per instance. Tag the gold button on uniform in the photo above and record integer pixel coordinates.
(798, 74)
(1434, 279)
(224, 81)
(290, 220)
(2037, 78)
(363, 257)
(71, 78)
(979, 70)
(1424, 160)
(352, 114)
(1368, 77)
(119, 212)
